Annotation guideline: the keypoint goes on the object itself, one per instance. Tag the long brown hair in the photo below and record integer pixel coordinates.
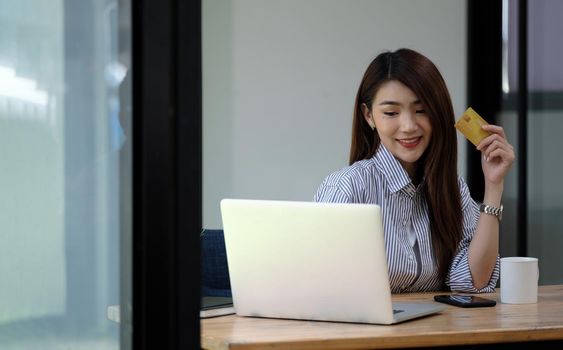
(439, 162)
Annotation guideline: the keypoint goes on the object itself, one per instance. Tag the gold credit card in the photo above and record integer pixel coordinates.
(470, 126)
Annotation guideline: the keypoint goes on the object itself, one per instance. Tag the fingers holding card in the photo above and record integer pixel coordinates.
(498, 154)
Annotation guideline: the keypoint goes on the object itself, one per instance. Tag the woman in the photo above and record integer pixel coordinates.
(403, 157)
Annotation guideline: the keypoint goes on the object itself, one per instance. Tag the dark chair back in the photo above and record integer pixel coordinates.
(214, 269)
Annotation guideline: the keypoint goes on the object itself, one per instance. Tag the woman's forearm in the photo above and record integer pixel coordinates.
(484, 247)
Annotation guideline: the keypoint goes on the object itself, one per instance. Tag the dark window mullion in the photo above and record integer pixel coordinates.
(189, 170)
(484, 76)
(522, 111)
(166, 173)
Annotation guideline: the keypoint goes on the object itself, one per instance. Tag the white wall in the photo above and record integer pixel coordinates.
(279, 81)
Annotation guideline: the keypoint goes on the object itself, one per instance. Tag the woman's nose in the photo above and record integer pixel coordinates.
(408, 122)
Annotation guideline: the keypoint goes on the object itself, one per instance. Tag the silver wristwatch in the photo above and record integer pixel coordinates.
(489, 209)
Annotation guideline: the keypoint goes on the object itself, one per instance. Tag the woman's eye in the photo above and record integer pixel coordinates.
(420, 111)
(390, 114)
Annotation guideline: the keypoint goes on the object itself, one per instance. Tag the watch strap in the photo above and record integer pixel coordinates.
(491, 210)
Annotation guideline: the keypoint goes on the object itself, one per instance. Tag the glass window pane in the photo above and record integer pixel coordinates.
(545, 105)
(64, 173)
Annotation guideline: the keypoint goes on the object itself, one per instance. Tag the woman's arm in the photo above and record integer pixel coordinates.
(484, 247)
(497, 158)
(460, 278)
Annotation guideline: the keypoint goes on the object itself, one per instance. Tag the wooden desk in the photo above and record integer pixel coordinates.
(503, 323)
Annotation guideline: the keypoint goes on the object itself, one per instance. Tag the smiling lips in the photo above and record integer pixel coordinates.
(410, 143)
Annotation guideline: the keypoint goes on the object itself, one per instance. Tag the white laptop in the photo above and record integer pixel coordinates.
(311, 261)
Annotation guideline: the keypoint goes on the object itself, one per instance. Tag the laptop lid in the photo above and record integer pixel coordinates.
(306, 260)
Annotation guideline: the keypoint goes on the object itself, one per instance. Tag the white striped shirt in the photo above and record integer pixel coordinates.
(383, 181)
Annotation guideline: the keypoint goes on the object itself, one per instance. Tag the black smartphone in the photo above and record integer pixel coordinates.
(464, 300)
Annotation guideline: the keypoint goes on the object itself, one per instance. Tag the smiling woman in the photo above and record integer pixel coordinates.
(403, 157)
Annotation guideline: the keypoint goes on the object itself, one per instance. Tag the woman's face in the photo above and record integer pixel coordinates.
(401, 123)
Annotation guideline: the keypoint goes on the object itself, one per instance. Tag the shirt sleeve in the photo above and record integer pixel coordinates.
(330, 192)
(459, 277)
(338, 187)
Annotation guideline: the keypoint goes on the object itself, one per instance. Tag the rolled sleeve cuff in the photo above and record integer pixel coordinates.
(460, 279)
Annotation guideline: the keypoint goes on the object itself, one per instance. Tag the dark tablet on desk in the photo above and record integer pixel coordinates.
(215, 302)
(216, 306)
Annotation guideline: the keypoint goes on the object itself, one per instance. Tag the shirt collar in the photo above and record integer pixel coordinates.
(397, 177)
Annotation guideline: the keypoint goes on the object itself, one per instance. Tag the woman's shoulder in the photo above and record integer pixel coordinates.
(359, 171)
(350, 183)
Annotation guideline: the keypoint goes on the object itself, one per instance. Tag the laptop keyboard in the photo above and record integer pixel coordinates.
(397, 311)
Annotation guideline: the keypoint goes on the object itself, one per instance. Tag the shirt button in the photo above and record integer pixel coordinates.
(411, 258)
(405, 222)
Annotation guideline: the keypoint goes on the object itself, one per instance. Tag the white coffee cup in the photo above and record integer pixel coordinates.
(519, 280)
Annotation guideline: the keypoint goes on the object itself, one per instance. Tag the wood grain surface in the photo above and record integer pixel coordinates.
(454, 326)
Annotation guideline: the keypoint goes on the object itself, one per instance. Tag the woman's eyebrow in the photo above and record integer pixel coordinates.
(395, 103)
